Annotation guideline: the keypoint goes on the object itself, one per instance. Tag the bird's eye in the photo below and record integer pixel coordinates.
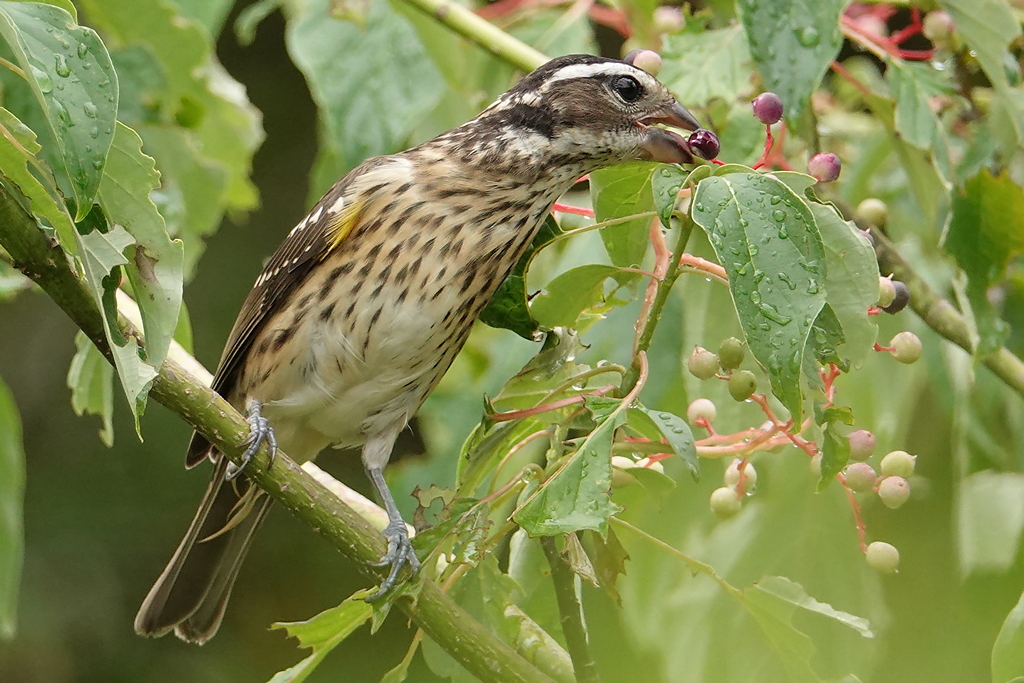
(627, 88)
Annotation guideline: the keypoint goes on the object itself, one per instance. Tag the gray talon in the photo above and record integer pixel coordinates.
(400, 553)
(260, 432)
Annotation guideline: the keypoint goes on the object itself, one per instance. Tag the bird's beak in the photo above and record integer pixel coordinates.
(667, 146)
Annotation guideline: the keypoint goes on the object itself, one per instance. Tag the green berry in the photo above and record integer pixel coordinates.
(860, 476)
(862, 444)
(894, 491)
(742, 385)
(872, 211)
(938, 27)
(702, 363)
(883, 557)
(732, 475)
(725, 502)
(898, 464)
(730, 353)
(701, 408)
(906, 347)
(886, 291)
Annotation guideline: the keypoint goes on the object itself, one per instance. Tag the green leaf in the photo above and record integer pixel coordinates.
(772, 602)
(73, 80)
(767, 241)
(339, 58)
(699, 67)
(826, 336)
(12, 492)
(677, 432)
(19, 154)
(155, 266)
(851, 280)
(578, 495)
(792, 43)
(666, 182)
(210, 13)
(618, 192)
(913, 86)
(990, 520)
(194, 119)
(102, 258)
(987, 26)
(986, 231)
(571, 293)
(835, 454)
(1008, 651)
(322, 633)
(91, 380)
(508, 308)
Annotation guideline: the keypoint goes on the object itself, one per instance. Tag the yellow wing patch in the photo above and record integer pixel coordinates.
(340, 220)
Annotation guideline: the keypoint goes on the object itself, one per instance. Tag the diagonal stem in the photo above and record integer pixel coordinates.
(571, 611)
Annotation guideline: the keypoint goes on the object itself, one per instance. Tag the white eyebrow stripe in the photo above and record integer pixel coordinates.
(589, 71)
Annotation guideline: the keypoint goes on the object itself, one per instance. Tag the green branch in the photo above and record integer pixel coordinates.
(459, 634)
(571, 611)
(482, 32)
(941, 316)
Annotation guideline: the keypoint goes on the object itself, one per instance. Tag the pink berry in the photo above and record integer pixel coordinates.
(767, 108)
(669, 19)
(705, 143)
(862, 444)
(825, 167)
(702, 408)
(648, 60)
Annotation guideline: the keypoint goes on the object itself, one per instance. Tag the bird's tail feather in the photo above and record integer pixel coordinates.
(193, 590)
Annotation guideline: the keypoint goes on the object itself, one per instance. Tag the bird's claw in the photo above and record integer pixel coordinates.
(400, 554)
(260, 432)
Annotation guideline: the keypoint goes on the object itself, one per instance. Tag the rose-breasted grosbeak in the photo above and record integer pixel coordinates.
(364, 306)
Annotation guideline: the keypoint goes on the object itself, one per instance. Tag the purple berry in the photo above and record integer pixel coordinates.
(825, 167)
(767, 108)
(901, 299)
(705, 143)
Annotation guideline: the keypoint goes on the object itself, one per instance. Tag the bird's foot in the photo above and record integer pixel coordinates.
(400, 553)
(260, 432)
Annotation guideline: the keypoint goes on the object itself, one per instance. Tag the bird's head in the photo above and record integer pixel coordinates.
(580, 112)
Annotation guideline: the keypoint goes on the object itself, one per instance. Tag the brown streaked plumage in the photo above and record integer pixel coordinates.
(364, 306)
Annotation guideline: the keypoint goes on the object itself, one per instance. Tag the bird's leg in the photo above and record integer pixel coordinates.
(260, 431)
(400, 551)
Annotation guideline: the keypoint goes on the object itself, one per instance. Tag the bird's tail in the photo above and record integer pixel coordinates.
(192, 592)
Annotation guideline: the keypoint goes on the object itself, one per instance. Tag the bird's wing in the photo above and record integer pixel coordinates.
(322, 231)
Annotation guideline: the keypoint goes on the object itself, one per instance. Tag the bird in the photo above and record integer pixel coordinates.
(365, 304)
